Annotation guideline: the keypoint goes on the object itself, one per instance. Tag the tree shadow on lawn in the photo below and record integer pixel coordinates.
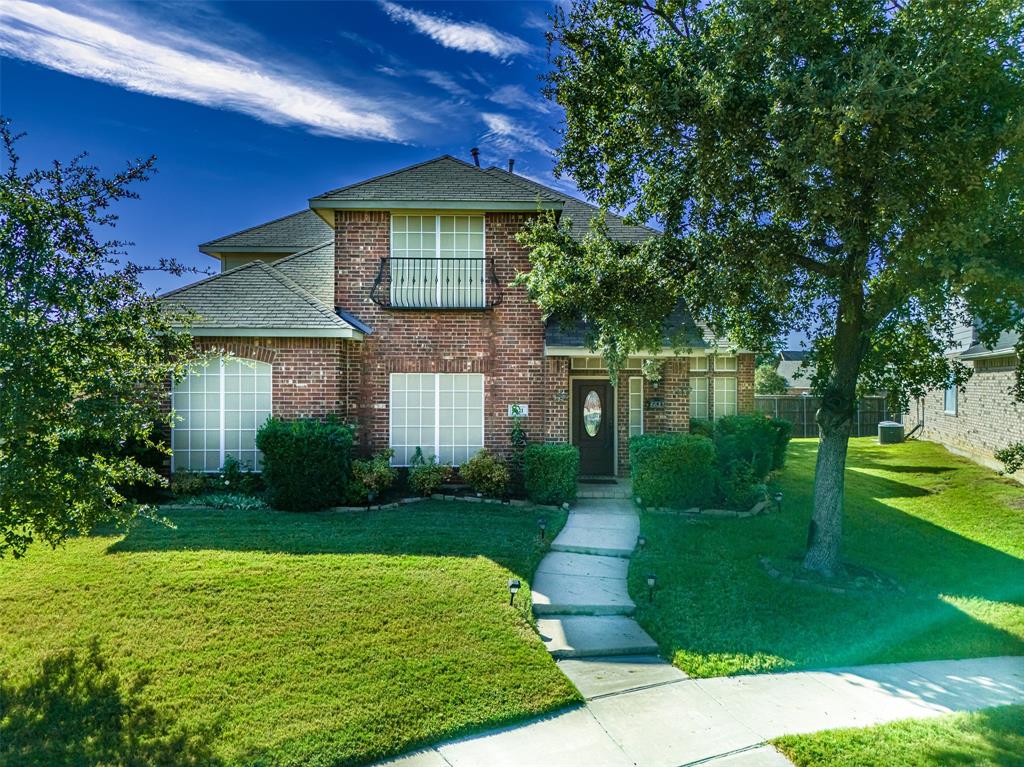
(76, 711)
(962, 598)
(430, 528)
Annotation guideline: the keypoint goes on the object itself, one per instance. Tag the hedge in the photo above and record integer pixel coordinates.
(307, 464)
(549, 473)
(783, 434)
(675, 470)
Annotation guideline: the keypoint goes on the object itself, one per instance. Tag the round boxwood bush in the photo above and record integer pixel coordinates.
(306, 463)
(549, 473)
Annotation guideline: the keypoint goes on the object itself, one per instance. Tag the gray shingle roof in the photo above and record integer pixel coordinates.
(795, 375)
(792, 355)
(1004, 345)
(255, 295)
(442, 179)
(575, 334)
(580, 213)
(286, 234)
(313, 269)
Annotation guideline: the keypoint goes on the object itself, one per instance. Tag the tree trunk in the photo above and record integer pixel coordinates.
(824, 538)
(835, 418)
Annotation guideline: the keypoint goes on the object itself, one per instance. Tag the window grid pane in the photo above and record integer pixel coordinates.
(437, 261)
(699, 363)
(217, 410)
(725, 364)
(442, 414)
(699, 398)
(725, 397)
(636, 406)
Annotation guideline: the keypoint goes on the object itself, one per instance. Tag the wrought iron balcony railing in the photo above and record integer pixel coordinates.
(436, 283)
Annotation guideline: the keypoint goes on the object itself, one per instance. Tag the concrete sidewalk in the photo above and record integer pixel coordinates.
(651, 718)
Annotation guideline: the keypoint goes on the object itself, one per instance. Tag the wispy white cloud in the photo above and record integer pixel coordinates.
(161, 62)
(505, 133)
(469, 36)
(516, 97)
(444, 82)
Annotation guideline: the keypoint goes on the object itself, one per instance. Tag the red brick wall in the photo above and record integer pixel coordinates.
(312, 377)
(505, 343)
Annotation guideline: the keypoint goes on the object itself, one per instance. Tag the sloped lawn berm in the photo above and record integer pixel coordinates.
(948, 536)
(289, 639)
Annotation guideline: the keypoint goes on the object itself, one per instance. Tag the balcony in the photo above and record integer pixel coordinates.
(436, 283)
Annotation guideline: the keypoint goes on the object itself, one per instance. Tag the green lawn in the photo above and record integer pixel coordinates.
(990, 738)
(284, 639)
(950, 532)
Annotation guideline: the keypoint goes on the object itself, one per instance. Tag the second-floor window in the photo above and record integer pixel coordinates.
(437, 261)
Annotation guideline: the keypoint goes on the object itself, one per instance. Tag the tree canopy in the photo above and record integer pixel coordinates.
(767, 380)
(853, 171)
(86, 354)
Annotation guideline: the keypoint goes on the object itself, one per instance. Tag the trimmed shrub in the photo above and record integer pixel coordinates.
(549, 473)
(233, 501)
(676, 470)
(185, 482)
(702, 427)
(741, 489)
(486, 474)
(306, 463)
(783, 434)
(750, 438)
(371, 478)
(426, 477)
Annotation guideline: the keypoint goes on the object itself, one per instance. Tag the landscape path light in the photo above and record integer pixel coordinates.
(652, 579)
(513, 587)
(777, 497)
(542, 526)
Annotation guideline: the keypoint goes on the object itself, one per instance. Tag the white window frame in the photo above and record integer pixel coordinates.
(719, 405)
(707, 399)
(699, 364)
(950, 391)
(437, 413)
(636, 387)
(726, 364)
(221, 427)
(437, 254)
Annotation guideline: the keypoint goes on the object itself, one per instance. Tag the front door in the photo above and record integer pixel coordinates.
(593, 425)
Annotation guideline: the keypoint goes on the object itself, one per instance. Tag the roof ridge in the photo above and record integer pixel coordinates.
(392, 173)
(212, 277)
(295, 287)
(531, 182)
(254, 226)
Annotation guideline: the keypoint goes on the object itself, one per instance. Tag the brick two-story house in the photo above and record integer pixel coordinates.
(389, 303)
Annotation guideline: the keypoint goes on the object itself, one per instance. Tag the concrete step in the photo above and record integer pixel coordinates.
(603, 534)
(595, 676)
(581, 636)
(581, 584)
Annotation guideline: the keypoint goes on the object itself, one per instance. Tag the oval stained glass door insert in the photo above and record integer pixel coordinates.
(592, 413)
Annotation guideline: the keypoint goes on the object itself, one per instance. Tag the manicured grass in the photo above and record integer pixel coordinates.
(298, 639)
(950, 532)
(990, 738)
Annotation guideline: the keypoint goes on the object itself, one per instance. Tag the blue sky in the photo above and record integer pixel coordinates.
(253, 107)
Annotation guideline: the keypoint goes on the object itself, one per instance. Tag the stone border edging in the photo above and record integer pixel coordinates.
(878, 583)
(761, 507)
(440, 497)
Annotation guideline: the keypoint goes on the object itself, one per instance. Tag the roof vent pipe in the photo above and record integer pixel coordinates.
(511, 165)
(476, 155)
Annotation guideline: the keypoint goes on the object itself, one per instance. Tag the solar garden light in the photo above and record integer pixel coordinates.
(542, 525)
(777, 497)
(651, 580)
(641, 541)
(513, 587)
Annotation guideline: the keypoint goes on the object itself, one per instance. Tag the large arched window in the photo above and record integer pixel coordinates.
(217, 409)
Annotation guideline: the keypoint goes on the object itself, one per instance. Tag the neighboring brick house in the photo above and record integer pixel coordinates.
(791, 367)
(389, 303)
(983, 417)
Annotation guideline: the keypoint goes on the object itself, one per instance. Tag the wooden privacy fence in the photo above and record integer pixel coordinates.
(800, 410)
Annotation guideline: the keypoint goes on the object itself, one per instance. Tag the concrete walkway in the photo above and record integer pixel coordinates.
(580, 596)
(643, 711)
(725, 722)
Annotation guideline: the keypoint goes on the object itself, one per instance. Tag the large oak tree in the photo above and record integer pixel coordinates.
(852, 170)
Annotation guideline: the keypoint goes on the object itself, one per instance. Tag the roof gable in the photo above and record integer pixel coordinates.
(282, 235)
(444, 181)
(257, 296)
